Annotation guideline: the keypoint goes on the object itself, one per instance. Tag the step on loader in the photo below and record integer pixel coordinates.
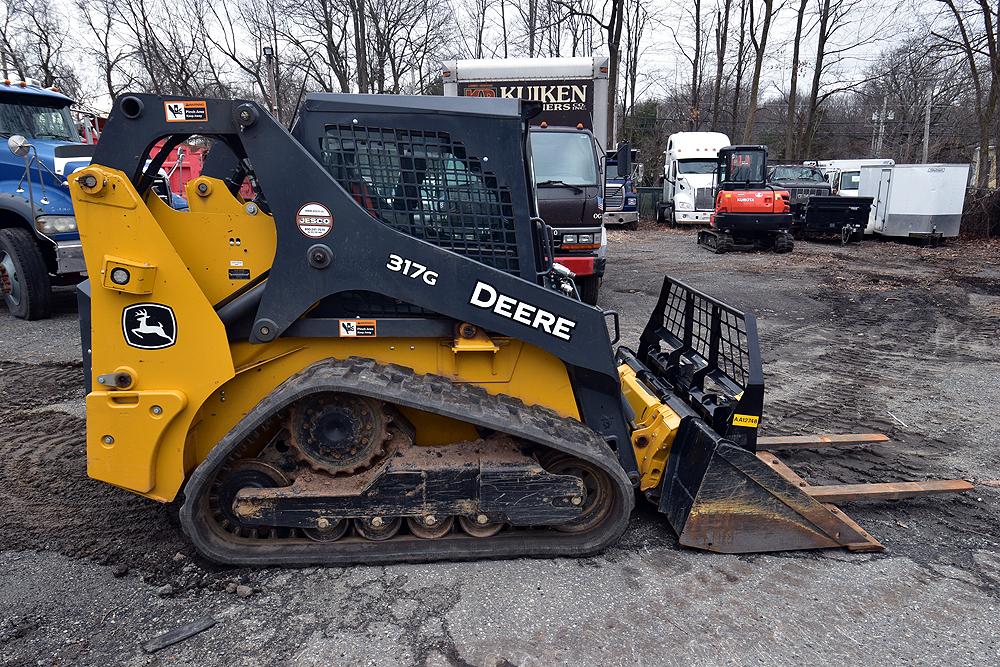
(375, 359)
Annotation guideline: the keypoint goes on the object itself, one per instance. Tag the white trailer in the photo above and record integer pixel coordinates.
(572, 91)
(689, 177)
(915, 200)
(845, 175)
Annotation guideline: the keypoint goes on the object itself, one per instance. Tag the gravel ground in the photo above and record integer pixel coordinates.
(881, 336)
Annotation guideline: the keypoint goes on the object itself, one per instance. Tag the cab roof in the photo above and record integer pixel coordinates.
(11, 87)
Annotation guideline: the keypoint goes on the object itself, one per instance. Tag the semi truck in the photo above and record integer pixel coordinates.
(689, 178)
(39, 243)
(568, 139)
(621, 194)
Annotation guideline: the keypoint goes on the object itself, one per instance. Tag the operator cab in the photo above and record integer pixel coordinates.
(742, 168)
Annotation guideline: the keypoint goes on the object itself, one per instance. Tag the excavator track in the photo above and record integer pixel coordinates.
(237, 490)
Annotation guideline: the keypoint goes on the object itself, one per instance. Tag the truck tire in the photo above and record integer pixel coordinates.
(589, 286)
(661, 218)
(30, 296)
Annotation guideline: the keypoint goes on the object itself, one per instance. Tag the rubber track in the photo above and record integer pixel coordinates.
(430, 393)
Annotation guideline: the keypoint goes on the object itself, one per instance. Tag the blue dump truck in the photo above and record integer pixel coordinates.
(39, 244)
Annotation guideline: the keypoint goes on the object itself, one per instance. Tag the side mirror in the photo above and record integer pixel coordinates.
(623, 158)
(18, 145)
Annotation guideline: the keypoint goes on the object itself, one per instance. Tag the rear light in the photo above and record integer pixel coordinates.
(581, 246)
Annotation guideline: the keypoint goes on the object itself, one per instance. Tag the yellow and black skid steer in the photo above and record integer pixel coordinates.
(374, 358)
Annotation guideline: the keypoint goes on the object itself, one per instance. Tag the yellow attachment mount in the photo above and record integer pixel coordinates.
(656, 425)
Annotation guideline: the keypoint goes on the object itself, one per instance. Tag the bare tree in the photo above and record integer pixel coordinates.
(976, 32)
(721, 38)
(791, 120)
(759, 42)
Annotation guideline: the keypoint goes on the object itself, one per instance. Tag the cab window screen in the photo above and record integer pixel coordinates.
(425, 185)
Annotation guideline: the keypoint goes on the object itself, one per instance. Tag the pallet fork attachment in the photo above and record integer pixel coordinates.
(719, 491)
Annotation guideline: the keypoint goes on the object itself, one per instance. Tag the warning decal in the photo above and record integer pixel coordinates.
(314, 220)
(190, 111)
(745, 420)
(357, 328)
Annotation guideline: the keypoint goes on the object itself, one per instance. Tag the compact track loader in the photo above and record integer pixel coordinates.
(375, 358)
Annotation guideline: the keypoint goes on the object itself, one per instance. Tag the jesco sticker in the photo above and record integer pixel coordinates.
(745, 420)
(314, 220)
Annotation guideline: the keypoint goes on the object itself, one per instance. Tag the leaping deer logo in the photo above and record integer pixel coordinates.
(149, 326)
(144, 328)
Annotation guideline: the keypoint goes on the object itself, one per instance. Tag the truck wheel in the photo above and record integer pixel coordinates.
(632, 226)
(589, 286)
(671, 218)
(661, 218)
(27, 290)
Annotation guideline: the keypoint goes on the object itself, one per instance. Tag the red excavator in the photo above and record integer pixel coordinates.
(749, 213)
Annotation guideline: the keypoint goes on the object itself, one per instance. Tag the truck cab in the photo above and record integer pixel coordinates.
(844, 176)
(802, 182)
(621, 198)
(689, 178)
(39, 243)
(567, 173)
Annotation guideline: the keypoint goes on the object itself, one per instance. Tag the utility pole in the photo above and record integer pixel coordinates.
(272, 94)
(927, 122)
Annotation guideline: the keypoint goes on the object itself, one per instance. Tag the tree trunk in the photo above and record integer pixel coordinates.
(740, 65)
(360, 43)
(792, 116)
(760, 48)
(812, 112)
(721, 36)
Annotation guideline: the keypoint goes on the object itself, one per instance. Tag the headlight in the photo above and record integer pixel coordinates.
(569, 238)
(630, 201)
(55, 224)
(684, 205)
(586, 238)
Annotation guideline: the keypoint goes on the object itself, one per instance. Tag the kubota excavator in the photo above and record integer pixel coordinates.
(749, 213)
(375, 359)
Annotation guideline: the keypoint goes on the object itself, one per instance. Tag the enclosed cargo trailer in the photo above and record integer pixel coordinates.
(915, 200)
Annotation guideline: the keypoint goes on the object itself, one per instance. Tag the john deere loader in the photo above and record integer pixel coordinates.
(376, 359)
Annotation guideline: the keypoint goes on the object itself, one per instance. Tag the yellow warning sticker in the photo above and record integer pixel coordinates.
(745, 420)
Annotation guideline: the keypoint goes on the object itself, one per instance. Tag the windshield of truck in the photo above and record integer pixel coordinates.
(563, 157)
(797, 173)
(696, 167)
(37, 121)
(850, 180)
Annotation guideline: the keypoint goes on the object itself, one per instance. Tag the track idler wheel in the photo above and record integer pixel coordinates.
(377, 528)
(430, 527)
(597, 502)
(243, 474)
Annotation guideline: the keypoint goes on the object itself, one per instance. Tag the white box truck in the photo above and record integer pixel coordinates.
(845, 175)
(568, 138)
(915, 200)
(689, 178)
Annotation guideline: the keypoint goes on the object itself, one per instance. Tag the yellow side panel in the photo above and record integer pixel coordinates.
(114, 221)
(223, 247)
